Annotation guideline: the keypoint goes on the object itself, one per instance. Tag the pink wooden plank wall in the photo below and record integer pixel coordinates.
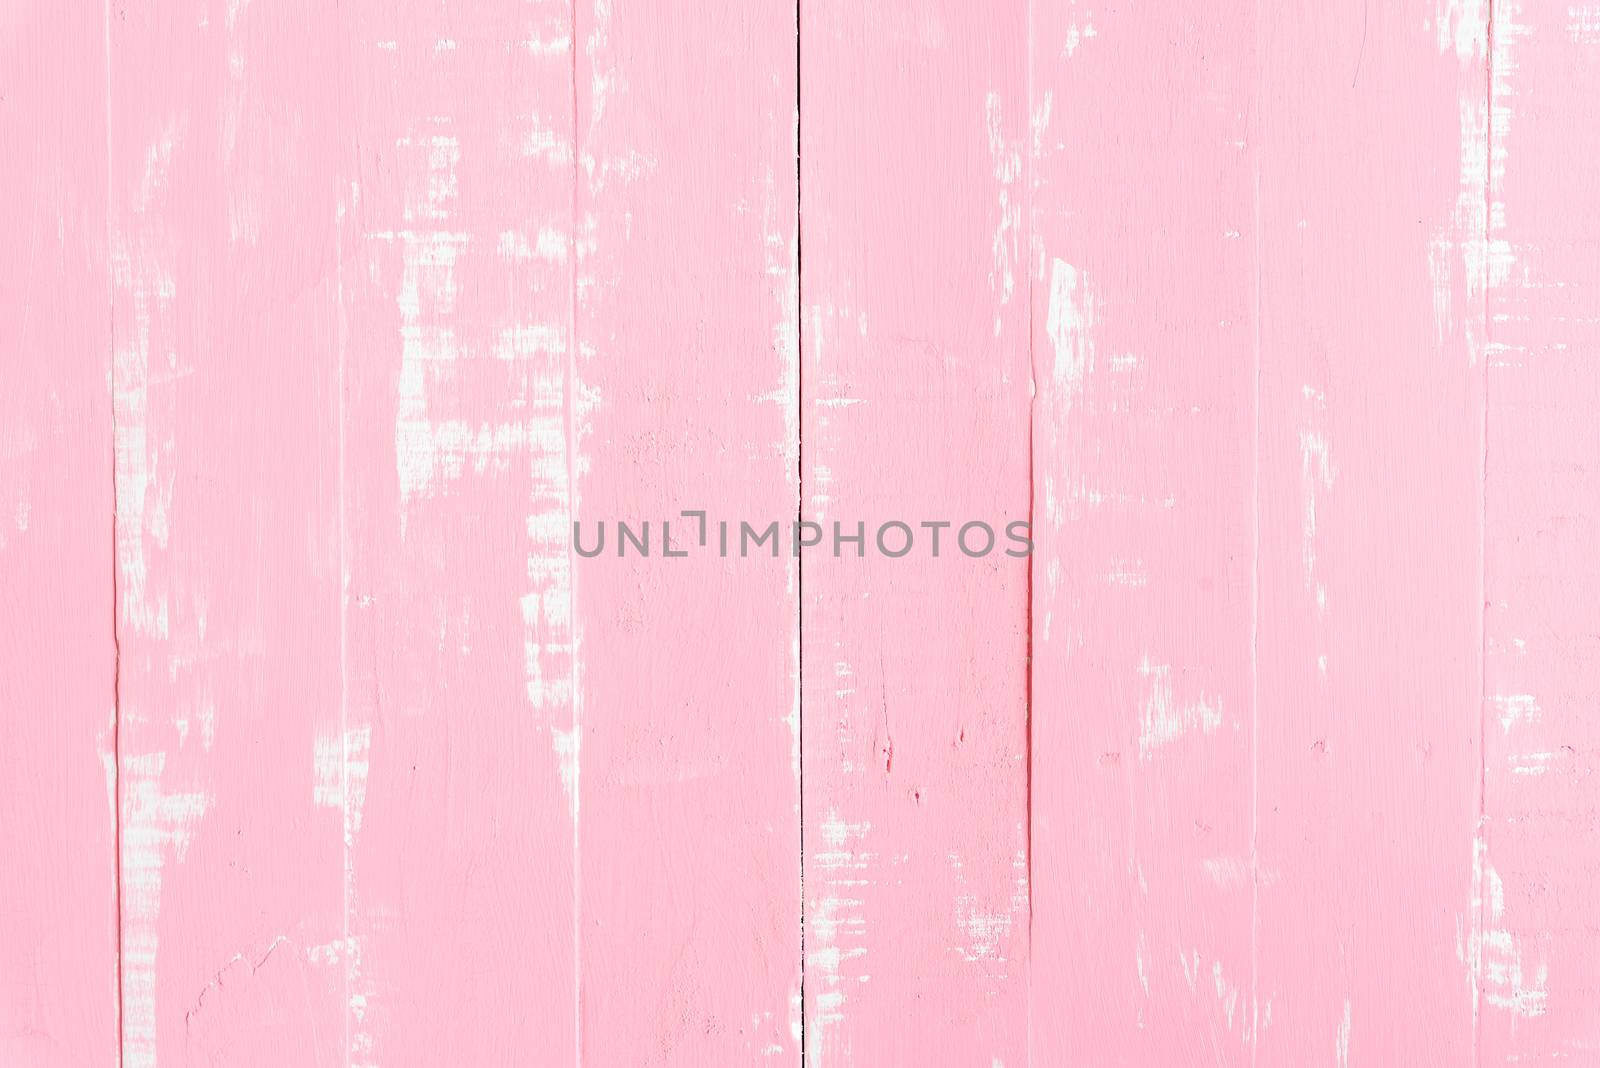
(1369, 461)
(1144, 158)
(225, 331)
(58, 651)
(1537, 954)
(914, 407)
(684, 399)
(326, 323)
(452, 242)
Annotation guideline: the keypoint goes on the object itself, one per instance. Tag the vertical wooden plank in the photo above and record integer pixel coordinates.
(225, 154)
(58, 928)
(456, 277)
(1538, 965)
(915, 409)
(1370, 436)
(688, 793)
(1143, 586)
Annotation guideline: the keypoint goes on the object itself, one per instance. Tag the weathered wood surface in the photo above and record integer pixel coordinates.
(327, 325)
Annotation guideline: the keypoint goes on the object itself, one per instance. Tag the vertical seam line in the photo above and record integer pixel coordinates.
(347, 872)
(1033, 394)
(1257, 138)
(570, 430)
(800, 504)
(1480, 831)
(116, 587)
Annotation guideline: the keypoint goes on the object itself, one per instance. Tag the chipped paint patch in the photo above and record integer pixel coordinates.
(1505, 979)
(837, 926)
(156, 828)
(1164, 719)
(1070, 325)
(1007, 159)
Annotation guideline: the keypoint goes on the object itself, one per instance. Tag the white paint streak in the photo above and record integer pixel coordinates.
(1461, 26)
(1164, 719)
(1007, 160)
(1514, 709)
(144, 494)
(988, 928)
(1504, 979)
(782, 262)
(1317, 474)
(1583, 25)
(155, 825)
(548, 245)
(1077, 33)
(1070, 325)
(837, 929)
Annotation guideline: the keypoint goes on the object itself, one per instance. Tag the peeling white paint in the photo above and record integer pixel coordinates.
(156, 826)
(836, 926)
(1070, 325)
(1164, 719)
(1514, 709)
(1077, 33)
(1461, 26)
(1583, 24)
(1504, 977)
(1006, 158)
(988, 929)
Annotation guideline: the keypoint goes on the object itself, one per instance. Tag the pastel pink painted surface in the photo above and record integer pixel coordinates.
(1370, 489)
(225, 165)
(1538, 986)
(58, 889)
(453, 769)
(683, 397)
(326, 323)
(914, 407)
(1142, 700)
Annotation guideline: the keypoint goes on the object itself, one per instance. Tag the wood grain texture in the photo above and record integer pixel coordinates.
(327, 325)
(1370, 520)
(58, 883)
(1267, 782)
(914, 408)
(224, 186)
(684, 399)
(1143, 581)
(1538, 964)
(454, 770)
